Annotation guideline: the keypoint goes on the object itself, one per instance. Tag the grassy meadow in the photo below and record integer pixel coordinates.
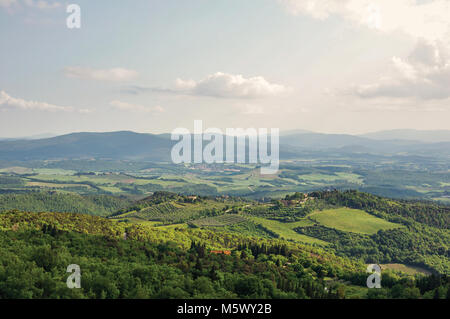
(351, 220)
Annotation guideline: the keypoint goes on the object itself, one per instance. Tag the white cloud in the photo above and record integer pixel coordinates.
(226, 85)
(8, 101)
(124, 106)
(420, 19)
(41, 4)
(248, 109)
(38, 4)
(425, 74)
(114, 74)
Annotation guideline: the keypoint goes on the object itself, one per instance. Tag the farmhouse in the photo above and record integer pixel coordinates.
(225, 252)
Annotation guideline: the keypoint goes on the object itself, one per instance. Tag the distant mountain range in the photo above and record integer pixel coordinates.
(31, 137)
(435, 136)
(156, 147)
(112, 145)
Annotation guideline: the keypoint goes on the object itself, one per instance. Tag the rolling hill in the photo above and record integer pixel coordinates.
(127, 145)
(434, 136)
(113, 145)
(222, 247)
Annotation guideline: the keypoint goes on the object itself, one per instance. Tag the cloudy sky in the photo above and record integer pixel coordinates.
(342, 66)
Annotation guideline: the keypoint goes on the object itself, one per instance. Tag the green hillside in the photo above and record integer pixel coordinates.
(171, 208)
(133, 268)
(219, 221)
(162, 262)
(168, 246)
(352, 220)
(100, 205)
(286, 230)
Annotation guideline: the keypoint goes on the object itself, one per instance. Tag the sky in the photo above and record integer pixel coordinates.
(332, 66)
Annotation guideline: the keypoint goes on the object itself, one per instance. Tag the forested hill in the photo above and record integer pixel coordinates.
(423, 212)
(157, 262)
(156, 147)
(100, 205)
(121, 260)
(176, 246)
(112, 145)
(354, 224)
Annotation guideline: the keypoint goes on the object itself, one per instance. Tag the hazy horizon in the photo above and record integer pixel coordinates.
(282, 132)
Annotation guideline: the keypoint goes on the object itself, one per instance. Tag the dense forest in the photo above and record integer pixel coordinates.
(135, 254)
(100, 205)
(36, 249)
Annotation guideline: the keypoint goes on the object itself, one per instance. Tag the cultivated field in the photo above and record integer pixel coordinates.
(351, 220)
(218, 221)
(409, 269)
(286, 230)
(135, 178)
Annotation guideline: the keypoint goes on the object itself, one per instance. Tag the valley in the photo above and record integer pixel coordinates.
(142, 227)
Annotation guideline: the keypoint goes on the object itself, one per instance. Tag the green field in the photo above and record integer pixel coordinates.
(408, 269)
(136, 179)
(286, 230)
(218, 221)
(355, 292)
(352, 178)
(45, 185)
(351, 220)
(174, 211)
